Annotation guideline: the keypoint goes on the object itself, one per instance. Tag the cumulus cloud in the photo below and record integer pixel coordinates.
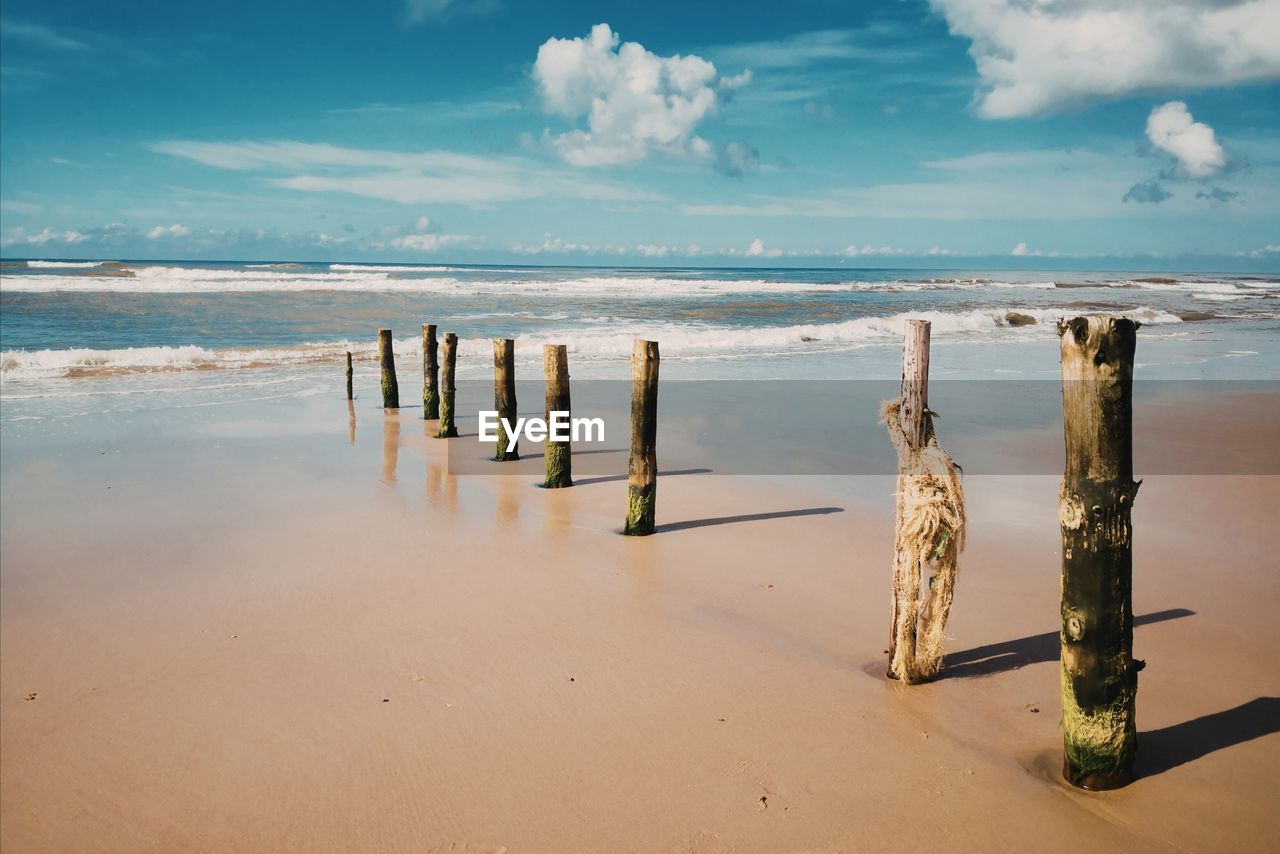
(1146, 192)
(634, 101)
(1022, 250)
(737, 158)
(174, 230)
(421, 236)
(1193, 144)
(757, 249)
(1037, 55)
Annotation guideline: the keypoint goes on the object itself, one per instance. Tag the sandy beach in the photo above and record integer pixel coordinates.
(262, 626)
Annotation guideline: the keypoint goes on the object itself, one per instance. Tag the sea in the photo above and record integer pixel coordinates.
(81, 337)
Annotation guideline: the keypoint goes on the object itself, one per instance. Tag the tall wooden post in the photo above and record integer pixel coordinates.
(642, 474)
(915, 426)
(387, 359)
(1099, 673)
(447, 428)
(504, 395)
(559, 455)
(350, 377)
(430, 373)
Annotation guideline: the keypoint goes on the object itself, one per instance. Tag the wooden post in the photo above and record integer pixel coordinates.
(447, 428)
(504, 395)
(916, 427)
(1099, 673)
(350, 376)
(387, 358)
(430, 373)
(559, 455)
(642, 474)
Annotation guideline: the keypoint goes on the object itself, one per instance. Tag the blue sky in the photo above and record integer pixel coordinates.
(1136, 134)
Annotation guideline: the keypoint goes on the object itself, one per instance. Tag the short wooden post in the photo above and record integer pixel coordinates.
(504, 395)
(915, 426)
(450, 359)
(350, 376)
(430, 373)
(642, 474)
(387, 359)
(1099, 673)
(559, 455)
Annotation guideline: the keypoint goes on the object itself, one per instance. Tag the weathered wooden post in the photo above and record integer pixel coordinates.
(447, 428)
(387, 358)
(430, 373)
(642, 472)
(504, 395)
(350, 376)
(930, 524)
(559, 455)
(1099, 673)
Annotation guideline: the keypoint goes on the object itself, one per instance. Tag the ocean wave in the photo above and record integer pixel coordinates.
(42, 265)
(680, 340)
(389, 268)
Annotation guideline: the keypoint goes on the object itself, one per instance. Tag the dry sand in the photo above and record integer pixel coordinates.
(240, 632)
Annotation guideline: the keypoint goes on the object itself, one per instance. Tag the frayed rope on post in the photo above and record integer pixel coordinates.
(930, 534)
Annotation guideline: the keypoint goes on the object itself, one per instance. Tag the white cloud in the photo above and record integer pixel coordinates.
(853, 251)
(409, 178)
(1269, 249)
(1038, 55)
(757, 250)
(1022, 250)
(174, 230)
(430, 242)
(635, 102)
(1171, 129)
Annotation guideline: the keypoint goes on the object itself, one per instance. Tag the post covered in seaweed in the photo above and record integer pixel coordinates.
(350, 378)
(448, 363)
(930, 520)
(1095, 504)
(559, 455)
(387, 359)
(642, 473)
(430, 373)
(504, 396)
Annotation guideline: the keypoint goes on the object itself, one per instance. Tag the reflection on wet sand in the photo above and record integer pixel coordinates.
(351, 422)
(509, 499)
(390, 444)
(442, 487)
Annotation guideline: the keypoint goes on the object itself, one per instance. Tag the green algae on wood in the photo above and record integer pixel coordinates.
(447, 390)
(642, 473)
(350, 378)
(559, 455)
(1099, 676)
(430, 373)
(387, 359)
(504, 397)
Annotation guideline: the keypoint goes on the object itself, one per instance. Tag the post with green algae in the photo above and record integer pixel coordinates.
(642, 475)
(430, 373)
(504, 397)
(350, 377)
(559, 455)
(1099, 673)
(450, 359)
(387, 358)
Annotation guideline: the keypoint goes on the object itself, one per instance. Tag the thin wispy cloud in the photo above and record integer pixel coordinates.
(421, 11)
(407, 178)
(38, 35)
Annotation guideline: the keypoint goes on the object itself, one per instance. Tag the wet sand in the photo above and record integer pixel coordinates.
(243, 629)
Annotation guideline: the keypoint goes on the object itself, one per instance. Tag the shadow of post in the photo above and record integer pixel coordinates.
(1162, 749)
(1035, 649)
(748, 517)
